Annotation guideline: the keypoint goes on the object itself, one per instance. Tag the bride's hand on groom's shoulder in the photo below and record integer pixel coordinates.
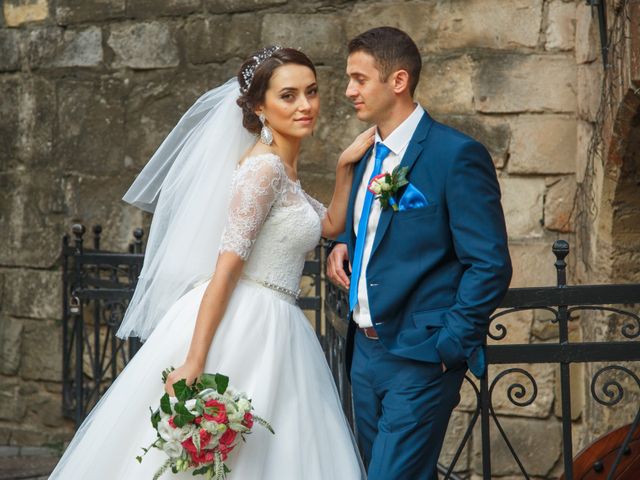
(189, 372)
(358, 147)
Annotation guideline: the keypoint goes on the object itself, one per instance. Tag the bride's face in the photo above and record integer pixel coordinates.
(291, 103)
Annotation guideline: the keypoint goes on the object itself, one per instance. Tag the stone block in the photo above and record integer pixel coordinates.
(516, 83)
(561, 25)
(458, 424)
(577, 388)
(154, 104)
(34, 293)
(532, 265)
(148, 8)
(324, 44)
(10, 341)
(57, 47)
(583, 140)
(522, 202)
(545, 326)
(493, 132)
(10, 48)
(28, 121)
(221, 37)
(30, 220)
(41, 347)
(504, 399)
(43, 408)
(543, 144)
(538, 444)
(143, 45)
(587, 42)
(446, 84)
(98, 200)
(12, 406)
(19, 12)
(511, 328)
(495, 24)
(225, 6)
(559, 205)
(92, 113)
(77, 11)
(589, 84)
(9, 119)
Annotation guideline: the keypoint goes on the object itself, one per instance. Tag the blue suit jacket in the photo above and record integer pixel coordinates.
(436, 273)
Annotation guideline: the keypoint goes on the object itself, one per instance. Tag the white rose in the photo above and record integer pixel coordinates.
(244, 405)
(386, 187)
(376, 188)
(173, 449)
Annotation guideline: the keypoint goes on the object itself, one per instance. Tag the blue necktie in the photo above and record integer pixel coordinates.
(381, 153)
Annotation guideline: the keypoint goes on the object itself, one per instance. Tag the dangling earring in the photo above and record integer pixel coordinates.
(266, 136)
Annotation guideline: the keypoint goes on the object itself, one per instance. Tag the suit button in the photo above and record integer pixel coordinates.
(372, 284)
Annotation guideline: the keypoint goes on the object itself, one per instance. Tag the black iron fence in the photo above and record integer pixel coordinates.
(563, 305)
(98, 285)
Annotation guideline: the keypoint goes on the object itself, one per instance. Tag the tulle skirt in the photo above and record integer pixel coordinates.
(268, 349)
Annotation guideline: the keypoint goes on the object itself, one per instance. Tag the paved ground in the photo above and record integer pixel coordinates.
(26, 463)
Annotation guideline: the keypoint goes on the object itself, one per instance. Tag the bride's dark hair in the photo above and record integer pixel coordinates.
(253, 94)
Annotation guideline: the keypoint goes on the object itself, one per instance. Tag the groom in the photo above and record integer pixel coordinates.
(425, 277)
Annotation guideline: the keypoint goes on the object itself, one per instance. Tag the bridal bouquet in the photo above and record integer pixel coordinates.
(201, 425)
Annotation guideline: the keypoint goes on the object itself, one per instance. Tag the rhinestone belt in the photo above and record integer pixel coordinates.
(277, 288)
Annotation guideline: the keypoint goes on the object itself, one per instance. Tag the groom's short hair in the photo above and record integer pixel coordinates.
(393, 50)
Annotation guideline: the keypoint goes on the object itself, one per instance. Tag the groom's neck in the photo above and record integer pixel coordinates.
(394, 116)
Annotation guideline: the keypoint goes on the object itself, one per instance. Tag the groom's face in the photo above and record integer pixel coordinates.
(371, 97)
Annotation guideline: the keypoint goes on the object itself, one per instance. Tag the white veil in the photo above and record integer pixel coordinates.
(187, 186)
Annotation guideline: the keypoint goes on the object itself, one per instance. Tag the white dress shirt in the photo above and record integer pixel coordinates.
(397, 143)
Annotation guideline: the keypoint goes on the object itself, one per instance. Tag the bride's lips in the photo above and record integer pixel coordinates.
(304, 120)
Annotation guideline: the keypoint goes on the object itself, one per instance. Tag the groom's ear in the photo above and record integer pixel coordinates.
(400, 81)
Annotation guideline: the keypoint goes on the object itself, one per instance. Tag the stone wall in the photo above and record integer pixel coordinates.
(88, 89)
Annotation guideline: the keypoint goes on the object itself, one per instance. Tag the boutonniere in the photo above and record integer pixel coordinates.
(386, 185)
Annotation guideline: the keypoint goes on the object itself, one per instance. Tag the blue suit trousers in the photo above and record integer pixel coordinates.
(402, 409)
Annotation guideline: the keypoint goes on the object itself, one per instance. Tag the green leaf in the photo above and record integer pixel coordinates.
(222, 382)
(139, 459)
(182, 390)
(207, 380)
(155, 419)
(200, 471)
(183, 415)
(165, 404)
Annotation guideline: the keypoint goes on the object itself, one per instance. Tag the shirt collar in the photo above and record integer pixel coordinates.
(399, 138)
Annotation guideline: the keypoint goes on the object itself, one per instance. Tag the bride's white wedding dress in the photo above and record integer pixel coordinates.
(264, 344)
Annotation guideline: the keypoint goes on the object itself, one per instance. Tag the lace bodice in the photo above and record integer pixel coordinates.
(272, 222)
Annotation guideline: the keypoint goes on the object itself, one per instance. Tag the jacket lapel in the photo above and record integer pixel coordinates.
(414, 149)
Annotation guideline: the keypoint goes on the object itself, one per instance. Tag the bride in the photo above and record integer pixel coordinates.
(218, 289)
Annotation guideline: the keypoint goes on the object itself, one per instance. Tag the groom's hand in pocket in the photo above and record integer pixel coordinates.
(336, 262)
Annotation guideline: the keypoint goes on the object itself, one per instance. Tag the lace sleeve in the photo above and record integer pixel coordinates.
(256, 186)
(320, 209)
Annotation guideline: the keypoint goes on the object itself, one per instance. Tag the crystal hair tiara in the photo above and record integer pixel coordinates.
(249, 70)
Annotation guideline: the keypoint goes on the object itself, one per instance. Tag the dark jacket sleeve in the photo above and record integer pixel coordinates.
(479, 235)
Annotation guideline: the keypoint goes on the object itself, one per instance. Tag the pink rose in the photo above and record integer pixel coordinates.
(228, 437)
(248, 420)
(215, 411)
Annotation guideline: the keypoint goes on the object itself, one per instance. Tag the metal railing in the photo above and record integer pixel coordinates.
(97, 287)
(98, 284)
(563, 303)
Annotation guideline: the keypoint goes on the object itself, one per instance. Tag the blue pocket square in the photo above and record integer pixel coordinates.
(412, 198)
